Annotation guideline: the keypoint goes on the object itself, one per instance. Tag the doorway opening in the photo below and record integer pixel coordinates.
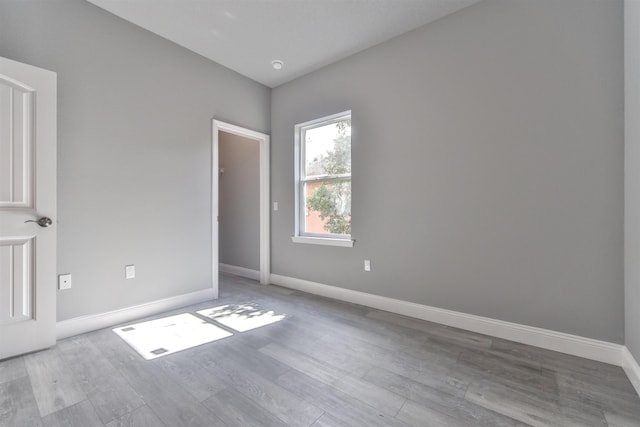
(263, 141)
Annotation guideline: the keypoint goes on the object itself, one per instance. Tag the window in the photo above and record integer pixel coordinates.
(323, 181)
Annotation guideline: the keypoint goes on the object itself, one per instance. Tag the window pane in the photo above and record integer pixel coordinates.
(328, 207)
(328, 149)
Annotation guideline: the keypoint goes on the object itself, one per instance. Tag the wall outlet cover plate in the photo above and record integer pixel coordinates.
(64, 281)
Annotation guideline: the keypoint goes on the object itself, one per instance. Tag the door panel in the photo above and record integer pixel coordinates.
(17, 292)
(17, 111)
(27, 193)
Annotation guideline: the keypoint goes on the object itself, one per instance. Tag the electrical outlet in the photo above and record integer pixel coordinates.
(129, 271)
(367, 265)
(64, 281)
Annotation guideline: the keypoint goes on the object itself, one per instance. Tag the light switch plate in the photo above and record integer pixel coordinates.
(129, 271)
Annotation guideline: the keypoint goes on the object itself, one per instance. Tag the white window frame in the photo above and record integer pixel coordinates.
(301, 236)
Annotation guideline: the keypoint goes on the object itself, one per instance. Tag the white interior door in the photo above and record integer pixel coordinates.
(27, 193)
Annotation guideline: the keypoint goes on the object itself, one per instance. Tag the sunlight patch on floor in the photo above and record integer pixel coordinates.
(242, 317)
(160, 337)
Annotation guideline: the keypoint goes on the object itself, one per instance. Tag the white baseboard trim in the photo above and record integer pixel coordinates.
(239, 271)
(93, 322)
(632, 369)
(558, 341)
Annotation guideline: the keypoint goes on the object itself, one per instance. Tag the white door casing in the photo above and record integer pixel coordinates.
(263, 140)
(27, 193)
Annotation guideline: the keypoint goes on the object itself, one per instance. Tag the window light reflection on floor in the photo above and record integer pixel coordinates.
(160, 337)
(242, 317)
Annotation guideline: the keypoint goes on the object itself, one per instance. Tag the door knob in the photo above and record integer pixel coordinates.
(42, 222)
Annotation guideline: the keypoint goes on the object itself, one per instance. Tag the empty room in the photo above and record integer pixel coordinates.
(319, 213)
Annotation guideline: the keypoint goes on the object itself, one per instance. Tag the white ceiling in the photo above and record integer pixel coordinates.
(246, 35)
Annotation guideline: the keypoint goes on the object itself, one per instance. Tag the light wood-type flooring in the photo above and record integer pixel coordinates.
(327, 363)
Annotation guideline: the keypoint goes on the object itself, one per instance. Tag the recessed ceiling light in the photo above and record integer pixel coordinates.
(277, 64)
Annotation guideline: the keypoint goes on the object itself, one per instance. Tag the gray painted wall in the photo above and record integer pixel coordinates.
(487, 166)
(632, 175)
(134, 168)
(239, 201)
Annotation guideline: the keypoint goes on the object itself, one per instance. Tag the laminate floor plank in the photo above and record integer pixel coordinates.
(328, 421)
(441, 389)
(525, 360)
(12, 369)
(195, 377)
(500, 368)
(419, 416)
(602, 397)
(141, 417)
(365, 354)
(392, 338)
(529, 408)
(612, 384)
(335, 402)
(433, 330)
(168, 400)
(378, 397)
(334, 351)
(596, 372)
(260, 363)
(236, 410)
(18, 406)
(287, 406)
(615, 420)
(115, 350)
(307, 303)
(53, 383)
(79, 415)
(442, 402)
(84, 359)
(112, 396)
(303, 363)
(106, 388)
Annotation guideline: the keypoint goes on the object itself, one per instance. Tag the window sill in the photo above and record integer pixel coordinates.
(345, 243)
